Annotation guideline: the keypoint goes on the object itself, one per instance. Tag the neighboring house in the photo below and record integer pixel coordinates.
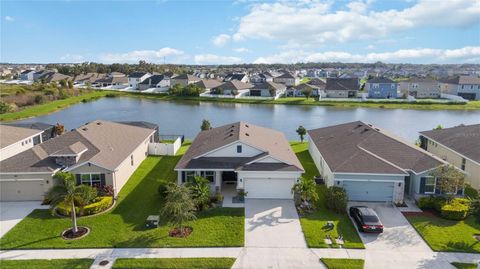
(467, 87)
(155, 81)
(97, 153)
(301, 89)
(268, 89)
(112, 79)
(136, 78)
(37, 75)
(420, 87)
(52, 76)
(27, 75)
(237, 76)
(372, 165)
(14, 140)
(233, 87)
(255, 159)
(287, 79)
(183, 80)
(381, 87)
(342, 87)
(90, 78)
(459, 146)
(261, 78)
(48, 130)
(208, 84)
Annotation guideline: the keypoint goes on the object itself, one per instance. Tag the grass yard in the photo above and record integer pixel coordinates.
(343, 263)
(171, 263)
(124, 226)
(461, 265)
(47, 264)
(447, 235)
(314, 224)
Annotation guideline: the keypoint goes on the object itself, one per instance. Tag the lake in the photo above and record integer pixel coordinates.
(176, 117)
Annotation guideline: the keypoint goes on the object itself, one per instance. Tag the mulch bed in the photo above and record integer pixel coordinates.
(70, 235)
(181, 233)
(425, 213)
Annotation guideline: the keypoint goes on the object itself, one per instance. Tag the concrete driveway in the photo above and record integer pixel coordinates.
(12, 213)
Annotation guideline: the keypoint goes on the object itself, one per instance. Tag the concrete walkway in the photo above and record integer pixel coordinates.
(11, 213)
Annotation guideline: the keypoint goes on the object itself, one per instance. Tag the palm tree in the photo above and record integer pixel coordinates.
(307, 189)
(66, 192)
(200, 192)
(301, 131)
(179, 206)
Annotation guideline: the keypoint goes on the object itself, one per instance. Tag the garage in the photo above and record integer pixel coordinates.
(25, 190)
(371, 191)
(269, 188)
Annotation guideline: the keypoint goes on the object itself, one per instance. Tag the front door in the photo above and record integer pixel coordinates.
(407, 185)
(229, 176)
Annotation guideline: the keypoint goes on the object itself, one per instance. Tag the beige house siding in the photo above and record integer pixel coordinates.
(471, 168)
(337, 94)
(94, 169)
(24, 187)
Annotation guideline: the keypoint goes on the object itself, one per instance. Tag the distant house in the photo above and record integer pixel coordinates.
(467, 87)
(52, 76)
(208, 84)
(39, 74)
(233, 87)
(155, 81)
(302, 89)
(261, 78)
(381, 87)
(27, 75)
(136, 78)
(97, 153)
(112, 79)
(342, 87)
(88, 78)
(420, 87)
(48, 130)
(14, 140)
(287, 79)
(237, 76)
(268, 89)
(460, 146)
(183, 80)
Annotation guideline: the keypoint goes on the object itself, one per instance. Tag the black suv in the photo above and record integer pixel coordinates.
(366, 219)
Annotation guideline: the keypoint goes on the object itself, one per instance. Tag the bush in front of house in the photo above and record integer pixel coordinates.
(336, 199)
(162, 190)
(432, 202)
(470, 192)
(457, 209)
(100, 204)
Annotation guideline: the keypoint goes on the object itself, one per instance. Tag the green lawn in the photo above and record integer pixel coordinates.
(343, 263)
(314, 224)
(167, 263)
(461, 265)
(124, 226)
(47, 264)
(448, 235)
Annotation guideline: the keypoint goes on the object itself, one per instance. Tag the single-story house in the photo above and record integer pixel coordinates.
(372, 165)
(287, 79)
(459, 146)
(48, 130)
(301, 90)
(208, 84)
(97, 153)
(237, 76)
(233, 87)
(155, 81)
(381, 87)
(136, 78)
(14, 140)
(53, 77)
(342, 87)
(268, 89)
(27, 75)
(183, 80)
(420, 87)
(88, 78)
(112, 79)
(247, 157)
(467, 87)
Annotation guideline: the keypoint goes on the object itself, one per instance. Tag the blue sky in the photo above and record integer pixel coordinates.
(216, 32)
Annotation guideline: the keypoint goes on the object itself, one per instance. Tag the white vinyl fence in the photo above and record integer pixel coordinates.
(165, 149)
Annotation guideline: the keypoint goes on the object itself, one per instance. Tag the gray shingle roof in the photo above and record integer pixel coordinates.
(12, 134)
(342, 84)
(154, 80)
(269, 85)
(137, 74)
(380, 80)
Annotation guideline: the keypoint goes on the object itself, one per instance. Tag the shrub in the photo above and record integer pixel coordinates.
(105, 190)
(439, 202)
(111, 95)
(470, 192)
(455, 210)
(39, 99)
(100, 204)
(426, 202)
(162, 190)
(336, 199)
(5, 107)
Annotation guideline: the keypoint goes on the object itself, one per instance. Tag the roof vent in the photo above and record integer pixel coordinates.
(247, 134)
(99, 123)
(230, 135)
(246, 125)
(85, 128)
(377, 129)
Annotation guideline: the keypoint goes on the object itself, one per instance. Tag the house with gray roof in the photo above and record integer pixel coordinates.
(135, 78)
(381, 88)
(371, 164)
(183, 80)
(242, 156)
(342, 87)
(27, 75)
(467, 87)
(287, 79)
(97, 153)
(420, 87)
(232, 88)
(268, 89)
(17, 139)
(155, 81)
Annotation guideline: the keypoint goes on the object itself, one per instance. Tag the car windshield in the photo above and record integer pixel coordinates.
(370, 218)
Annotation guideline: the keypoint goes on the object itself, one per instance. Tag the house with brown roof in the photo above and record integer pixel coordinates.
(232, 88)
(467, 87)
(372, 165)
(342, 87)
(17, 139)
(183, 80)
(97, 153)
(242, 156)
(287, 79)
(268, 89)
(460, 146)
(420, 87)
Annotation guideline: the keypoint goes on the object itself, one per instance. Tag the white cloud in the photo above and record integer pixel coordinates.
(216, 59)
(241, 50)
(423, 55)
(221, 40)
(313, 23)
(155, 56)
(73, 58)
(9, 18)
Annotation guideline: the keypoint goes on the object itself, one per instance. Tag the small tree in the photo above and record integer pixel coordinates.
(449, 179)
(205, 125)
(336, 199)
(179, 207)
(70, 84)
(59, 129)
(307, 91)
(301, 131)
(307, 189)
(63, 83)
(200, 189)
(86, 196)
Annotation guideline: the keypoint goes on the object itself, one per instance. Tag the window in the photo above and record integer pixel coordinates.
(189, 176)
(239, 149)
(430, 184)
(91, 179)
(463, 164)
(131, 159)
(209, 175)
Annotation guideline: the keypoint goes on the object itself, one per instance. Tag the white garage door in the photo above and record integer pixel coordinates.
(265, 188)
(369, 191)
(21, 190)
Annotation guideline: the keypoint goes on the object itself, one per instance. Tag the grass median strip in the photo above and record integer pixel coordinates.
(47, 264)
(174, 263)
(343, 263)
(461, 265)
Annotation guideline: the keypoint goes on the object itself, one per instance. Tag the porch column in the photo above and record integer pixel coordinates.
(218, 180)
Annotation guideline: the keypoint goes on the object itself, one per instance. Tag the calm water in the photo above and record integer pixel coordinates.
(185, 117)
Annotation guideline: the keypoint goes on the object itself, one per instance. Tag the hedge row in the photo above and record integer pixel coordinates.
(456, 209)
(101, 204)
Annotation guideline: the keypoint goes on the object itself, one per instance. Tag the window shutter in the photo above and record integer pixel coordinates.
(78, 178)
(102, 179)
(183, 176)
(437, 189)
(422, 185)
(460, 191)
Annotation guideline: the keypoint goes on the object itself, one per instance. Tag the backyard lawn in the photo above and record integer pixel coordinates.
(47, 264)
(447, 235)
(167, 263)
(124, 226)
(314, 224)
(343, 263)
